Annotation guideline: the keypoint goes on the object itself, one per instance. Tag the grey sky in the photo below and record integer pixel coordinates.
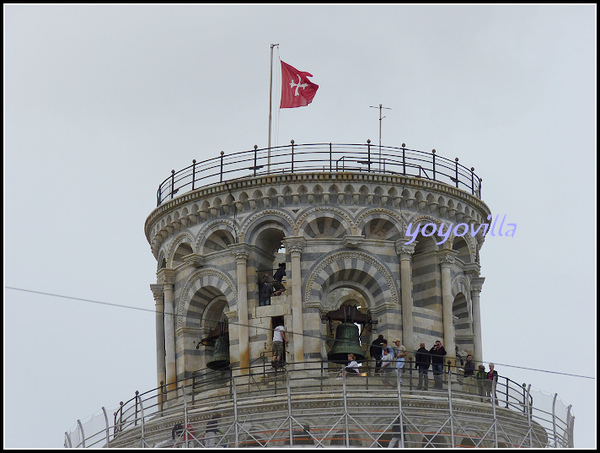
(102, 101)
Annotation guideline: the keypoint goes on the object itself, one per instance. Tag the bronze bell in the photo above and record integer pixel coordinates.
(220, 357)
(346, 342)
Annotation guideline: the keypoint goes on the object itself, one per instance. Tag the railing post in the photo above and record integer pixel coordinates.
(82, 433)
(400, 415)
(107, 427)
(570, 421)
(255, 151)
(161, 397)
(529, 411)
(345, 410)
(289, 402)
(452, 442)
(136, 408)
(120, 424)
(68, 443)
(369, 155)
(472, 181)
(142, 431)
(158, 196)
(222, 154)
(235, 413)
(403, 159)
(433, 159)
(493, 400)
(330, 157)
(456, 172)
(172, 184)
(193, 173)
(292, 142)
(554, 417)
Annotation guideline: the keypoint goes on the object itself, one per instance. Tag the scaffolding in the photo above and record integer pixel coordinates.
(309, 405)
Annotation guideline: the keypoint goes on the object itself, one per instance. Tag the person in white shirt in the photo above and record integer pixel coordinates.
(278, 349)
(351, 368)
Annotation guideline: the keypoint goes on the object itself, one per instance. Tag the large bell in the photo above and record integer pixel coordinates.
(346, 342)
(220, 357)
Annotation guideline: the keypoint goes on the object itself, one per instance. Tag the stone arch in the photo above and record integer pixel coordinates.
(213, 313)
(312, 221)
(272, 218)
(324, 226)
(181, 246)
(463, 248)
(216, 236)
(161, 261)
(355, 268)
(380, 223)
(202, 288)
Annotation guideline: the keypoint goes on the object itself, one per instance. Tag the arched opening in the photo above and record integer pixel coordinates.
(182, 250)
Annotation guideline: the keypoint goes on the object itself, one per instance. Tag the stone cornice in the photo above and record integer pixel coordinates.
(252, 184)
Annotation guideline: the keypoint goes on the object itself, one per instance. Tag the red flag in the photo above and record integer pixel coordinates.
(296, 89)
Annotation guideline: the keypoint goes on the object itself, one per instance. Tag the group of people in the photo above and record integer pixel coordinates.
(480, 382)
(433, 357)
(188, 437)
(388, 358)
(266, 289)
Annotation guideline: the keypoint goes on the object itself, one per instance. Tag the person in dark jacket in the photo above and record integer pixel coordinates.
(278, 277)
(376, 351)
(265, 290)
(437, 363)
(422, 362)
(469, 382)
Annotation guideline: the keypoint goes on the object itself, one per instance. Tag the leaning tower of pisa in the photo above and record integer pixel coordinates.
(361, 231)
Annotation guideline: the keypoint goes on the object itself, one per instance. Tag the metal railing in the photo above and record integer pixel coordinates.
(320, 157)
(280, 404)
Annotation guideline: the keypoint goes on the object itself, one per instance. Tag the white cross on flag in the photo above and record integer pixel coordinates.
(296, 89)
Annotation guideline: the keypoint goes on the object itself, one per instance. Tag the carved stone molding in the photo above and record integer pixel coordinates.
(353, 241)
(447, 257)
(157, 292)
(195, 260)
(240, 251)
(166, 276)
(477, 284)
(405, 249)
(294, 244)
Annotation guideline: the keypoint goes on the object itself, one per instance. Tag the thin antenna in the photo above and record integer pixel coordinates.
(270, 108)
(380, 118)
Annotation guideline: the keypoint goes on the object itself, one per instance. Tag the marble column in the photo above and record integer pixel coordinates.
(241, 253)
(161, 376)
(446, 260)
(405, 255)
(294, 248)
(167, 277)
(476, 285)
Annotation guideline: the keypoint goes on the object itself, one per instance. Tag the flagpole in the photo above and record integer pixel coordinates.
(380, 118)
(270, 110)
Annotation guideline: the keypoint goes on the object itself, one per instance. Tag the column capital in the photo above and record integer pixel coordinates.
(446, 257)
(157, 292)
(240, 251)
(166, 276)
(477, 284)
(472, 269)
(294, 244)
(403, 250)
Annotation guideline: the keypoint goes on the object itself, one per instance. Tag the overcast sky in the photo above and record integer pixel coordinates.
(102, 101)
